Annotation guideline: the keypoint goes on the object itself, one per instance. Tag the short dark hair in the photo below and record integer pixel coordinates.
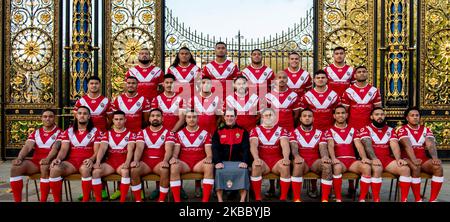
(48, 110)
(305, 110)
(318, 72)
(293, 53)
(338, 48)
(85, 107)
(93, 78)
(375, 109)
(221, 43)
(337, 107)
(256, 50)
(240, 77)
(169, 76)
(118, 112)
(360, 67)
(156, 109)
(407, 111)
(132, 77)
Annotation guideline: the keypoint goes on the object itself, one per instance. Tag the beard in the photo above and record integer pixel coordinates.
(361, 80)
(145, 62)
(307, 125)
(378, 124)
(156, 123)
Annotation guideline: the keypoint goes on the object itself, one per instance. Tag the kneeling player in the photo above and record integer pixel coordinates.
(379, 140)
(309, 146)
(269, 145)
(154, 146)
(192, 153)
(343, 155)
(119, 144)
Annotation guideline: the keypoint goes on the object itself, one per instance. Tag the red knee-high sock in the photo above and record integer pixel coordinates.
(256, 185)
(163, 193)
(326, 188)
(207, 188)
(365, 184)
(86, 186)
(337, 185)
(285, 184)
(175, 186)
(136, 189)
(16, 184)
(124, 187)
(97, 186)
(56, 188)
(415, 186)
(376, 187)
(297, 188)
(45, 189)
(405, 184)
(436, 184)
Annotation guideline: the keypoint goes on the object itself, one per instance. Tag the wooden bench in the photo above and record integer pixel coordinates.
(425, 176)
(67, 187)
(35, 177)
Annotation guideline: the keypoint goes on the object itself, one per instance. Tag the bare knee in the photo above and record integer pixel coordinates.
(366, 169)
(16, 171)
(437, 170)
(85, 172)
(175, 169)
(337, 169)
(97, 173)
(404, 171)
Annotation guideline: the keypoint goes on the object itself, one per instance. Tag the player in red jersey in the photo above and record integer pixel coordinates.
(284, 101)
(98, 104)
(299, 80)
(148, 75)
(321, 100)
(172, 105)
(117, 145)
(310, 151)
(154, 147)
(361, 98)
(79, 146)
(245, 103)
(380, 141)
(259, 76)
(45, 145)
(340, 75)
(134, 105)
(345, 139)
(415, 138)
(269, 145)
(186, 71)
(192, 153)
(208, 106)
(222, 70)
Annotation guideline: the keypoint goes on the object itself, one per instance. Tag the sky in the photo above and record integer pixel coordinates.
(254, 18)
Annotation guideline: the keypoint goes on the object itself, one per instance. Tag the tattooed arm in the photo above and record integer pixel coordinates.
(430, 143)
(367, 142)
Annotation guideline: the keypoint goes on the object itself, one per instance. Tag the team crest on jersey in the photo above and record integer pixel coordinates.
(200, 137)
(316, 136)
(351, 134)
(424, 134)
(370, 94)
(152, 72)
(388, 133)
(329, 98)
(302, 78)
(229, 183)
(277, 134)
(348, 73)
(126, 139)
(102, 105)
(223, 136)
(228, 69)
(138, 104)
(289, 98)
(265, 73)
(192, 73)
(238, 135)
(401, 130)
(53, 137)
(89, 136)
(214, 103)
(162, 137)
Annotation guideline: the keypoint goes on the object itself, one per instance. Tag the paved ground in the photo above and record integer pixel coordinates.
(6, 195)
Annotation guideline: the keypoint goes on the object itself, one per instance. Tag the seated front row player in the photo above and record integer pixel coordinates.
(269, 145)
(154, 146)
(310, 151)
(192, 153)
(117, 146)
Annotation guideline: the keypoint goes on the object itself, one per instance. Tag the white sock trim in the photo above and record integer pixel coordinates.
(377, 180)
(437, 179)
(366, 179)
(96, 181)
(326, 182)
(256, 178)
(125, 180)
(56, 179)
(163, 189)
(136, 187)
(337, 176)
(286, 180)
(14, 179)
(44, 180)
(208, 181)
(416, 180)
(175, 183)
(297, 179)
(86, 178)
(405, 179)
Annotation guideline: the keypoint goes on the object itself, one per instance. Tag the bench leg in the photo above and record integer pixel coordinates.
(424, 188)
(26, 190)
(66, 190)
(70, 192)
(107, 190)
(37, 190)
(397, 193)
(390, 189)
(143, 190)
(355, 197)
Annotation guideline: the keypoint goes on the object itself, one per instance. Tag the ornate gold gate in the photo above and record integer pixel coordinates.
(404, 43)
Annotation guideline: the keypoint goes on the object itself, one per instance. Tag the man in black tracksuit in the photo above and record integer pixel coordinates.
(231, 156)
